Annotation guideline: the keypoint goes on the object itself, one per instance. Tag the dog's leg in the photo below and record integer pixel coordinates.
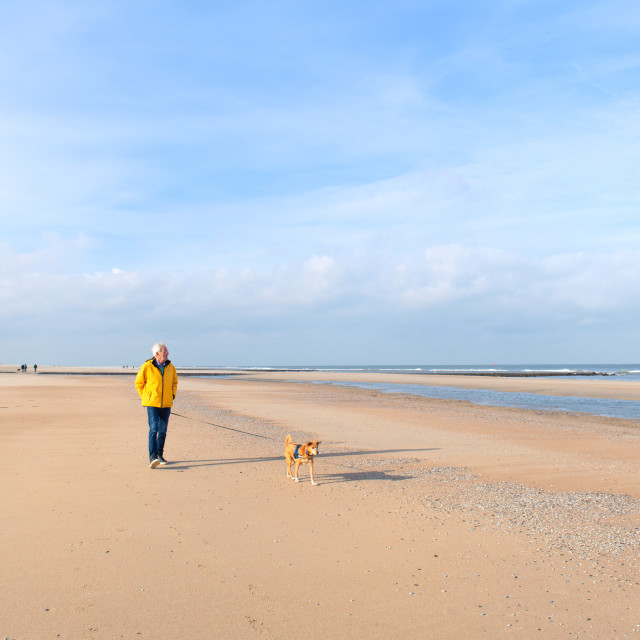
(298, 463)
(289, 474)
(311, 471)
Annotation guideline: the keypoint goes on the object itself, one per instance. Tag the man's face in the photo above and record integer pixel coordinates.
(162, 355)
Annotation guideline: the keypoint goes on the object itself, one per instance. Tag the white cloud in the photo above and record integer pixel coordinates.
(448, 280)
(285, 324)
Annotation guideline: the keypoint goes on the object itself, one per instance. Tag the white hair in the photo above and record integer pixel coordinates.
(157, 347)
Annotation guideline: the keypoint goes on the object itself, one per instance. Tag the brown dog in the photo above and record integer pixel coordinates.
(298, 454)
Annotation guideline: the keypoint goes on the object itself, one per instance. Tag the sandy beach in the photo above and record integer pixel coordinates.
(432, 518)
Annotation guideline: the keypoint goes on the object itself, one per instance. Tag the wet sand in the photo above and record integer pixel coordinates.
(432, 518)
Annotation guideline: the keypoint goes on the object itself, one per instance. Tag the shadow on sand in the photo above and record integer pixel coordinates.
(355, 476)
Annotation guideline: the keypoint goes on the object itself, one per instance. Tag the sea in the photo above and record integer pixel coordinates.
(622, 371)
(623, 409)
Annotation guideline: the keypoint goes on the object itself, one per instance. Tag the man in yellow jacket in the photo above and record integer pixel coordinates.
(157, 384)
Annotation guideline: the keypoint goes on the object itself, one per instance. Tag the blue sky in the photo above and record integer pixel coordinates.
(291, 183)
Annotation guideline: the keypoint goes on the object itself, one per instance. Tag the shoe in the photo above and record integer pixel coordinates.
(162, 460)
(154, 463)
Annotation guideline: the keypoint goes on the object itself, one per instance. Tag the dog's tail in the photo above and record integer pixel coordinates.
(287, 440)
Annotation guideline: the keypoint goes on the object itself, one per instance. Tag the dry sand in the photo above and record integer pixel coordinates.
(432, 519)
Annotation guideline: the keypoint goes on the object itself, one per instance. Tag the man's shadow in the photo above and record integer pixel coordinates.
(183, 465)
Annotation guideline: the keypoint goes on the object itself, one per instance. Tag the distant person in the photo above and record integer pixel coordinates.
(35, 368)
(157, 384)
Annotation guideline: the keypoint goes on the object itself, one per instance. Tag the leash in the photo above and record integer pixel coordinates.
(255, 435)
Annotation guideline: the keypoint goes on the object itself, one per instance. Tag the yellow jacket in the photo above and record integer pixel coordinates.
(155, 388)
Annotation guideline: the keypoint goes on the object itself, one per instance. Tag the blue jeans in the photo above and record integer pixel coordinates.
(158, 423)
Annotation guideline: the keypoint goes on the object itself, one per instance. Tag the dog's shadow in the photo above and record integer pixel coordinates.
(357, 476)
